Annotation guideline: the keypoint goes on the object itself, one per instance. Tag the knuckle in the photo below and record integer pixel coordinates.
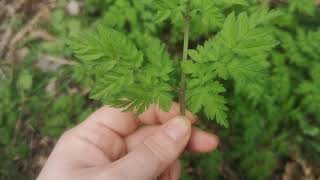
(161, 148)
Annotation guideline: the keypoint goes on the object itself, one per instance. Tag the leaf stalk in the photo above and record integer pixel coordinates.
(182, 91)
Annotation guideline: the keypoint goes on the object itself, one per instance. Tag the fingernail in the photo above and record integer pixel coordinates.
(178, 128)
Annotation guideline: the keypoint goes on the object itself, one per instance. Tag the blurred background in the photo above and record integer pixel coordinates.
(274, 131)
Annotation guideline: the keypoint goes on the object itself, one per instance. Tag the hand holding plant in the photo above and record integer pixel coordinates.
(111, 145)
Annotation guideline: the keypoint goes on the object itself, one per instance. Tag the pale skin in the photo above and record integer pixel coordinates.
(114, 145)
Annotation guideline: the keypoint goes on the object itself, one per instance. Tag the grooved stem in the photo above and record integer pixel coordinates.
(182, 92)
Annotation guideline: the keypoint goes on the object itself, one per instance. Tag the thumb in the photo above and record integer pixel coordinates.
(157, 152)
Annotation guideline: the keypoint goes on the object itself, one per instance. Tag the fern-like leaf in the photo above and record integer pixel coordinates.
(125, 77)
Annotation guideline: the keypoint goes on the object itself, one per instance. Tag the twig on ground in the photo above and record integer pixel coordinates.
(19, 4)
(2, 9)
(26, 29)
(57, 60)
(40, 34)
(5, 40)
(50, 63)
(8, 11)
(11, 9)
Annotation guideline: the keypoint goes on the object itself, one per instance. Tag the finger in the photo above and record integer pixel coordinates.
(165, 175)
(104, 129)
(156, 153)
(155, 115)
(122, 123)
(200, 141)
(97, 139)
(139, 136)
(172, 173)
(175, 170)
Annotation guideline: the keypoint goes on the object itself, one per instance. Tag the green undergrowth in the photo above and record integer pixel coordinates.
(270, 104)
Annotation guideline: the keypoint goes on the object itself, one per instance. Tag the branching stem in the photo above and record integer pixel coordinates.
(182, 92)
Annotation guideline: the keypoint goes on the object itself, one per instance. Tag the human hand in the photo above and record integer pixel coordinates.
(112, 145)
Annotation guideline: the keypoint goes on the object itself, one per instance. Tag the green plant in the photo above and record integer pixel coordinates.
(14, 91)
(254, 63)
(268, 114)
(133, 76)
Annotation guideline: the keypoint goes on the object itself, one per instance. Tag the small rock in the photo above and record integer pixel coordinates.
(73, 8)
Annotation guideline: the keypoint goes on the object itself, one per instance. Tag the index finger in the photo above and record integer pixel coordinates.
(155, 115)
(122, 123)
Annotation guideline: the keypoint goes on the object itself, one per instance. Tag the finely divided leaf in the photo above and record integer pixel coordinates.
(208, 97)
(124, 76)
(239, 52)
(170, 9)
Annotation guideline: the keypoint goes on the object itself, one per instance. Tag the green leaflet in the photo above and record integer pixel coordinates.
(158, 63)
(124, 76)
(311, 91)
(239, 51)
(170, 9)
(208, 96)
(120, 13)
(24, 81)
(302, 49)
(233, 2)
(244, 34)
(105, 46)
(208, 11)
(212, 12)
(135, 14)
(303, 6)
(139, 97)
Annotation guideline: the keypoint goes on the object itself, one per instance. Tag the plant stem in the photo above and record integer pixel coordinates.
(182, 92)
